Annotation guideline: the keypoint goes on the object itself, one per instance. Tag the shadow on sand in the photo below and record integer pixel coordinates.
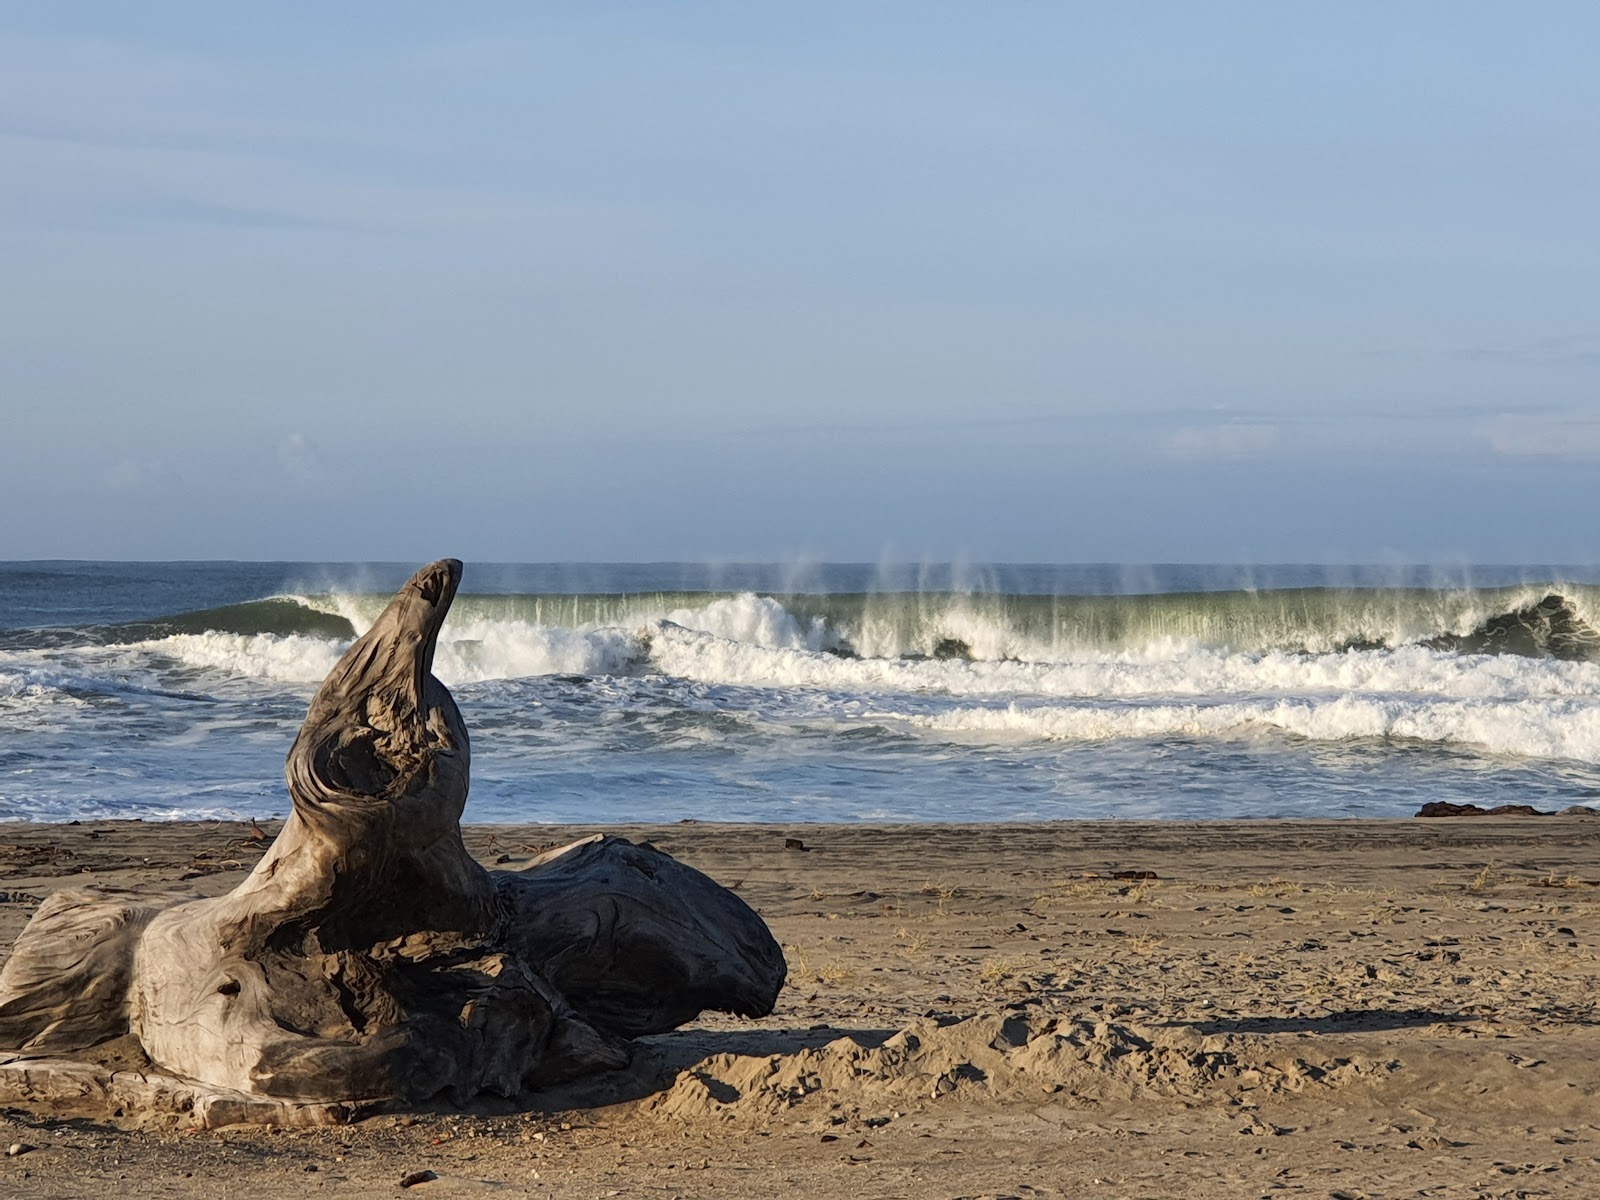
(1357, 1020)
(659, 1060)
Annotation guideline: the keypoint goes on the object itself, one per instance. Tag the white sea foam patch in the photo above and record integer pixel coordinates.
(27, 689)
(473, 651)
(1551, 728)
(479, 647)
(282, 658)
(466, 653)
(1172, 670)
(752, 620)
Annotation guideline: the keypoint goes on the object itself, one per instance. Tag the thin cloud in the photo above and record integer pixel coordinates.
(1222, 441)
(129, 474)
(1573, 438)
(1575, 350)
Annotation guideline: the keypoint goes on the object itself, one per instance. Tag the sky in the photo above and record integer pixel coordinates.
(1029, 282)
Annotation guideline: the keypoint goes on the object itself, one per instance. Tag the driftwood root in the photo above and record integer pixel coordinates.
(368, 958)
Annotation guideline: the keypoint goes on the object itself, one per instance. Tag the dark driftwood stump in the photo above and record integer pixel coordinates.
(368, 957)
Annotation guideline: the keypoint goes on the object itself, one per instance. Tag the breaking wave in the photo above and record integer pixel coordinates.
(1556, 621)
(1532, 727)
(1511, 670)
(767, 701)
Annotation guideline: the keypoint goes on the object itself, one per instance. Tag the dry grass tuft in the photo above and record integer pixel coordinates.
(799, 964)
(1275, 889)
(1141, 892)
(1146, 943)
(835, 973)
(913, 942)
(1557, 880)
(944, 891)
(993, 970)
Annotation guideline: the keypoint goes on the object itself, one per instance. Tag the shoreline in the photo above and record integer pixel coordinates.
(1298, 1006)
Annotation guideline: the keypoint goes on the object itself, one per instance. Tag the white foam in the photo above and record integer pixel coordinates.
(1508, 704)
(1183, 670)
(1557, 728)
(472, 651)
(474, 646)
(24, 690)
(282, 658)
(752, 620)
(479, 650)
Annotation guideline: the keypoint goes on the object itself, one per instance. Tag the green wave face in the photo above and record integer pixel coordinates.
(1295, 621)
(1557, 619)
(279, 616)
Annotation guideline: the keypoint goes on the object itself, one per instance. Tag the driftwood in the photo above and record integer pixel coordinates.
(368, 957)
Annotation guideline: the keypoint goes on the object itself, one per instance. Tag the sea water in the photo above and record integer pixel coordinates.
(827, 692)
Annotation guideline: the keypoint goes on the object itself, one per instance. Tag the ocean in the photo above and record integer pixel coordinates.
(827, 692)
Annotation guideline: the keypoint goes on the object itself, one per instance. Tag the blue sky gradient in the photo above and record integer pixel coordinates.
(1025, 282)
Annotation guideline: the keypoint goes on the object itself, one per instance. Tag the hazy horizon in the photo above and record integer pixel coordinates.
(796, 561)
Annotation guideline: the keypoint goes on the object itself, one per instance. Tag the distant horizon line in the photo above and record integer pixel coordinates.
(1390, 564)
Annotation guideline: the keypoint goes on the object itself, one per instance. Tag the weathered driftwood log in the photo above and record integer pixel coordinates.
(368, 956)
(635, 940)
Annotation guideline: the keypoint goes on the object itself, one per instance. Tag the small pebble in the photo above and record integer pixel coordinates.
(16, 1149)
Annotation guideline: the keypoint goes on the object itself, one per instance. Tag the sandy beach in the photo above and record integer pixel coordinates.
(1328, 1009)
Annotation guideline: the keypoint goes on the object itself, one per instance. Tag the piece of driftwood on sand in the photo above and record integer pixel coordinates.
(369, 958)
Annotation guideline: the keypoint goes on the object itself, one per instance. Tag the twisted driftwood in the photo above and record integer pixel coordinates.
(368, 957)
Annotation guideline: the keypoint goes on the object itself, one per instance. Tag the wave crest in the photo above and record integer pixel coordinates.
(1532, 621)
(1541, 728)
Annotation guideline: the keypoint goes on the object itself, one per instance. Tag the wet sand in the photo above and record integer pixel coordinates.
(1119, 1009)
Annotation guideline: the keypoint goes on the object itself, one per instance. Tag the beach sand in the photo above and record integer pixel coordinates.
(1328, 1009)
